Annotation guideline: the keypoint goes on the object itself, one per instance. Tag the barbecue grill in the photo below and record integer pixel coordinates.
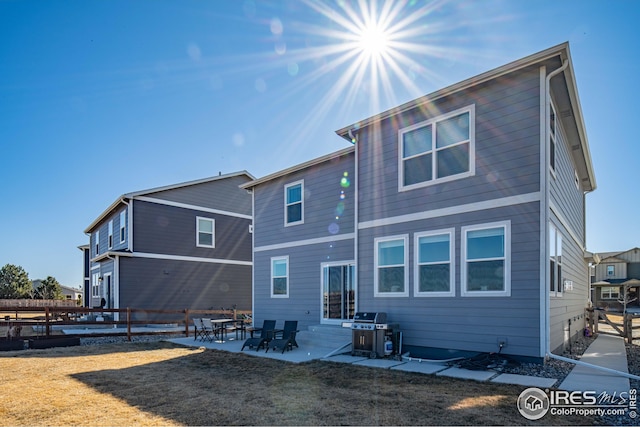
(370, 334)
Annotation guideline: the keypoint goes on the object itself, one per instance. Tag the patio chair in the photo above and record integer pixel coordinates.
(288, 339)
(197, 329)
(266, 335)
(208, 330)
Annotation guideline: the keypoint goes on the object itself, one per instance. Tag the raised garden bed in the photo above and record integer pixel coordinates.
(11, 345)
(48, 342)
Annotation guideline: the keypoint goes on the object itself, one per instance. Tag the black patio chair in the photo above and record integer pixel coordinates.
(266, 334)
(288, 339)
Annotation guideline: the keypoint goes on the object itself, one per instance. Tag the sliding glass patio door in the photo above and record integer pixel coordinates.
(338, 292)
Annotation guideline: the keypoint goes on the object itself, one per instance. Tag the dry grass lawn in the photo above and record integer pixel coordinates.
(166, 384)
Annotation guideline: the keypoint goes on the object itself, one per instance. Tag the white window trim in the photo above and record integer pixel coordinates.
(507, 260)
(405, 293)
(451, 232)
(286, 204)
(279, 258)
(123, 225)
(95, 285)
(613, 273)
(96, 244)
(213, 232)
(471, 109)
(110, 236)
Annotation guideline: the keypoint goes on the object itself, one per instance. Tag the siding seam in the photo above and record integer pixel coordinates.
(305, 242)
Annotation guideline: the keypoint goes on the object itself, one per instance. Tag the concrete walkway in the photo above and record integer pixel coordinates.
(606, 351)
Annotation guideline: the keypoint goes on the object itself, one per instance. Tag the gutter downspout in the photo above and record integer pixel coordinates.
(546, 197)
(354, 141)
(589, 365)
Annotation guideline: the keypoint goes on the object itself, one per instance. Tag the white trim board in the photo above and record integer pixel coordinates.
(453, 210)
(190, 258)
(306, 242)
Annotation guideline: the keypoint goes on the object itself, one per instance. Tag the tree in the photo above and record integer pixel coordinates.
(49, 289)
(14, 282)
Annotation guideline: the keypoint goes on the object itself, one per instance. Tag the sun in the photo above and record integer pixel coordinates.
(373, 40)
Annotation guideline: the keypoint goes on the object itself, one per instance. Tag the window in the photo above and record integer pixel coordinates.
(294, 203)
(110, 239)
(434, 272)
(205, 232)
(611, 270)
(610, 292)
(280, 277)
(391, 273)
(441, 149)
(555, 262)
(486, 259)
(123, 224)
(552, 137)
(96, 242)
(95, 285)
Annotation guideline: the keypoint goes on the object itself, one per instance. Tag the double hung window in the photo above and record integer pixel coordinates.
(552, 137)
(434, 273)
(610, 292)
(96, 243)
(611, 270)
(205, 232)
(280, 277)
(391, 273)
(294, 203)
(437, 150)
(555, 262)
(123, 224)
(110, 245)
(486, 259)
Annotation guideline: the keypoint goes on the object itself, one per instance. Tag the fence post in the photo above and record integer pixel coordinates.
(186, 323)
(46, 320)
(128, 323)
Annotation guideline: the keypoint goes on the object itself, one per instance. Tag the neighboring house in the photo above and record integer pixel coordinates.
(460, 214)
(611, 272)
(175, 247)
(67, 292)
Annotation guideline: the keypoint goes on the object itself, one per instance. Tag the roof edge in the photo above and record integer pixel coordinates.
(298, 167)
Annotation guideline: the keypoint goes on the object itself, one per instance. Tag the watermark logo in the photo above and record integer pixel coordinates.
(533, 403)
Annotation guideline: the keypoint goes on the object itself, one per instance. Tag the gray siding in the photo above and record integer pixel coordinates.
(465, 323)
(304, 302)
(507, 150)
(171, 230)
(567, 313)
(323, 205)
(103, 227)
(177, 285)
(222, 194)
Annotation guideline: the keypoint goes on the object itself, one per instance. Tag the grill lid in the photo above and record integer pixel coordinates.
(370, 317)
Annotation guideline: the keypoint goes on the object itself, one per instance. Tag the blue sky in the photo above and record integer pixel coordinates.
(101, 98)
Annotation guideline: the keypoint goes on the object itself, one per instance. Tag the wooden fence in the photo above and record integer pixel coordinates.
(44, 318)
(617, 323)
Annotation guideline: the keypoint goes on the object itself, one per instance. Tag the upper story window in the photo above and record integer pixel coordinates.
(205, 232)
(391, 271)
(441, 149)
(552, 137)
(486, 259)
(434, 272)
(123, 225)
(555, 262)
(294, 203)
(96, 243)
(110, 238)
(611, 270)
(280, 277)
